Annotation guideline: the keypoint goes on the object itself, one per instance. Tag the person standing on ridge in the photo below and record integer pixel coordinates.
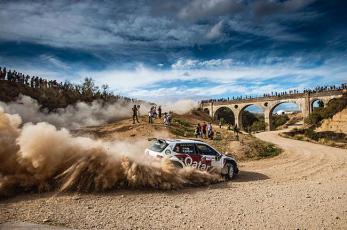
(198, 131)
(159, 111)
(150, 116)
(209, 131)
(204, 129)
(135, 114)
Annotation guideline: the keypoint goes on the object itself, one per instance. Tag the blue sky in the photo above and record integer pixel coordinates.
(169, 50)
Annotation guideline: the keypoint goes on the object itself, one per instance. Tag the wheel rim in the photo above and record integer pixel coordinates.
(231, 171)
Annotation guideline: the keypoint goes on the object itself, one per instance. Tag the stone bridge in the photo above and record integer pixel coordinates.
(268, 104)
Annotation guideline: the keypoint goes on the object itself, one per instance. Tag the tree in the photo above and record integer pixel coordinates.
(89, 89)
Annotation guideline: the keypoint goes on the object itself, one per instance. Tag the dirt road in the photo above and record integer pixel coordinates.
(303, 188)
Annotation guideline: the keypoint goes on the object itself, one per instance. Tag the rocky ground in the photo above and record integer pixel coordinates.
(303, 188)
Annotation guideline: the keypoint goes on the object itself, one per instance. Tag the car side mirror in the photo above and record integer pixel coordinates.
(218, 157)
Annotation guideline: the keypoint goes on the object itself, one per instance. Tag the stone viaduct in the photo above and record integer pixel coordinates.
(268, 104)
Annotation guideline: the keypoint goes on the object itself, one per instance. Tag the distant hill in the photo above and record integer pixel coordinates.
(60, 95)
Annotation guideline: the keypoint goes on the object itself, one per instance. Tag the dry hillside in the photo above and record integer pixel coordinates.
(338, 123)
(243, 147)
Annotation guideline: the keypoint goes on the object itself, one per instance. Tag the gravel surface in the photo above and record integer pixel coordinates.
(303, 188)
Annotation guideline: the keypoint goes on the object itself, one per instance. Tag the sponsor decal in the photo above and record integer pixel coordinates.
(188, 161)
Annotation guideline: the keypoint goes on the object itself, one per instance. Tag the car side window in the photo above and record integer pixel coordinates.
(206, 150)
(184, 148)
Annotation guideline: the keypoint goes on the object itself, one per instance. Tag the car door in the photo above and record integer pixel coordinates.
(208, 156)
(187, 154)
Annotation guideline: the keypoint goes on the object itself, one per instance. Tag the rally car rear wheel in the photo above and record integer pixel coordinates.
(177, 164)
(230, 171)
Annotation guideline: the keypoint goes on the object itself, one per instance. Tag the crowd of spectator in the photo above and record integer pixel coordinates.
(66, 87)
(32, 81)
(281, 94)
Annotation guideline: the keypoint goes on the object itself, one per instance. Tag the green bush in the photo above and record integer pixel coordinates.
(310, 133)
(269, 150)
(258, 126)
(253, 122)
(279, 120)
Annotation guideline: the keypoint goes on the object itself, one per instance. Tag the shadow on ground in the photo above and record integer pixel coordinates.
(247, 176)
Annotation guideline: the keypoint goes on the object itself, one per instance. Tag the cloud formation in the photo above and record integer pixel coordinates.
(177, 49)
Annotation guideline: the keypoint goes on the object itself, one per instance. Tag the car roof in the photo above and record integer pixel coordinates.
(183, 141)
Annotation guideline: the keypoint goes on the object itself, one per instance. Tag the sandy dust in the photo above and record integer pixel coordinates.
(303, 188)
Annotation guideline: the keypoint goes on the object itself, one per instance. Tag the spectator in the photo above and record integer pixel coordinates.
(198, 131)
(150, 116)
(204, 129)
(209, 131)
(135, 113)
(159, 111)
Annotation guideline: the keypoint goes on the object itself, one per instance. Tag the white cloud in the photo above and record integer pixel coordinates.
(148, 83)
(114, 26)
(54, 61)
(196, 9)
(216, 31)
(90, 25)
(186, 64)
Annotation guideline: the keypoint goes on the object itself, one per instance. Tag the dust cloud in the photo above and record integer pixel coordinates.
(181, 106)
(41, 157)
(86, 114)
(73, 116)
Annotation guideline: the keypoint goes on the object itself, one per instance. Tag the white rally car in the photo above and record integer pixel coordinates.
(193, 153)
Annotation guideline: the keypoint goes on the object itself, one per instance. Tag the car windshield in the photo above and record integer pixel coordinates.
(206, 150)
(158, 145)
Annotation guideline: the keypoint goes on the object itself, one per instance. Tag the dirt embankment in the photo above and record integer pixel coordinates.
(338, 123)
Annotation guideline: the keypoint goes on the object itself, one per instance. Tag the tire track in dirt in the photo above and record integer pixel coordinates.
(305, 158)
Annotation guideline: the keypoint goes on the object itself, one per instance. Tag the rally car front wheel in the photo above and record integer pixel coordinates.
(230, 171)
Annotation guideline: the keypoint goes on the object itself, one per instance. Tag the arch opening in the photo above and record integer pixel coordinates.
(225, 115)
(252, 119)
(285, 114)
(206, 110)
(317, 104)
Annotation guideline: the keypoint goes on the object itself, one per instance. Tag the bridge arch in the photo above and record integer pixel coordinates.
(247, 118)
(280, 117)
(226, 114)
(317, 103)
